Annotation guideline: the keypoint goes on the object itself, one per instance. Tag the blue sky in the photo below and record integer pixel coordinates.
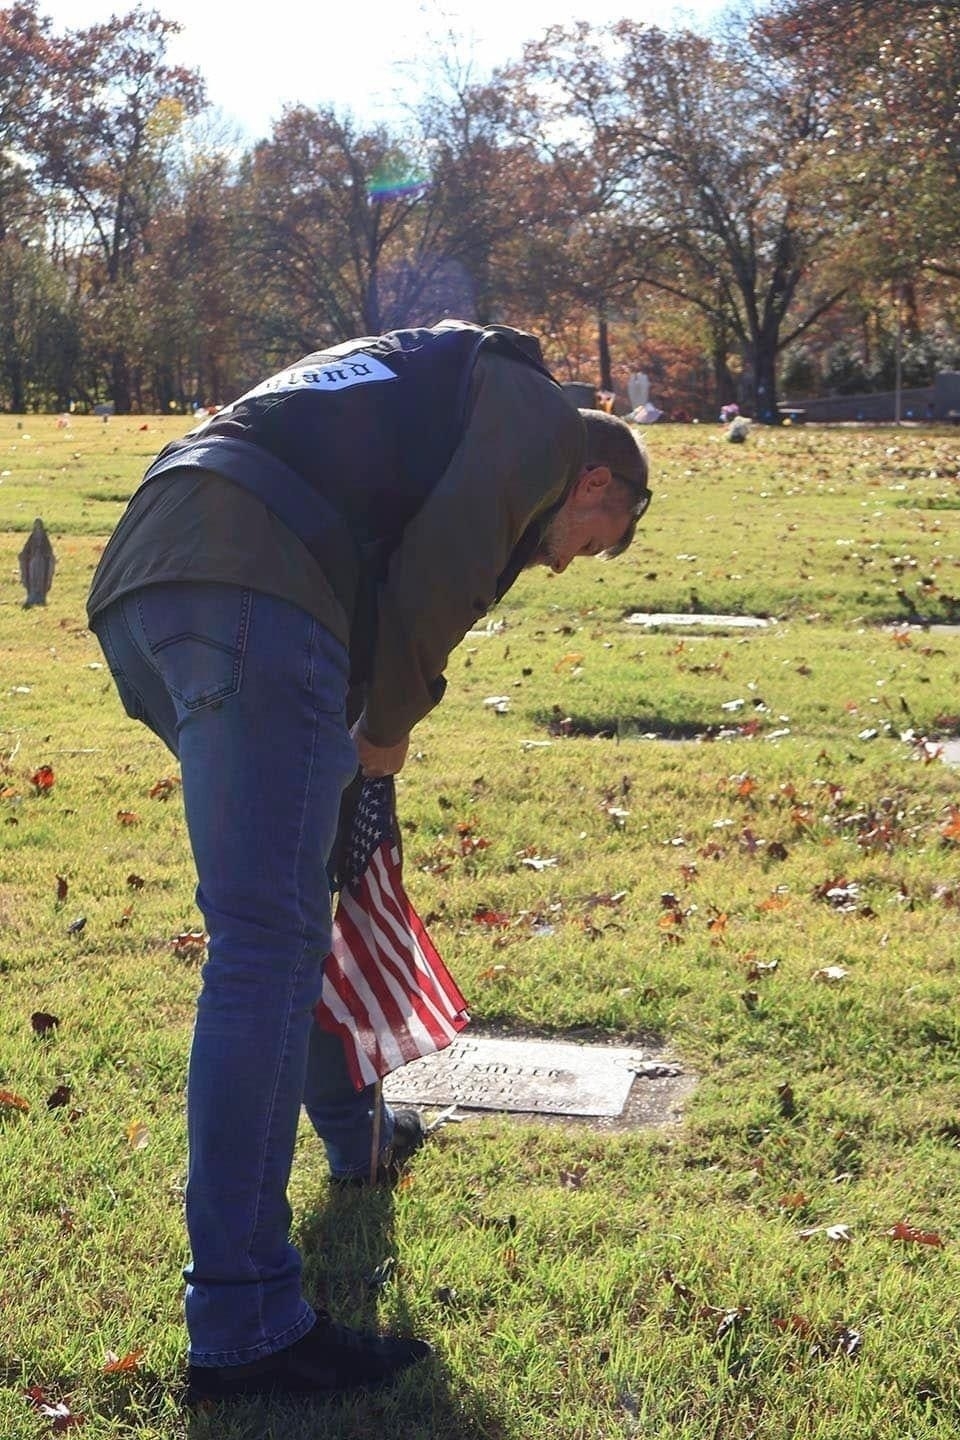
(365, 56)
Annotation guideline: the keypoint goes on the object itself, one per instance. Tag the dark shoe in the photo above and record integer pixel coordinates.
(408, 1136)
(328, 1361)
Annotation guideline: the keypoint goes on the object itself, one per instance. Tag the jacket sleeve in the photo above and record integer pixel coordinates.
(523, 445)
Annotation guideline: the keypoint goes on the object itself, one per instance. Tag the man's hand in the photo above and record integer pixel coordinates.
(379, 760)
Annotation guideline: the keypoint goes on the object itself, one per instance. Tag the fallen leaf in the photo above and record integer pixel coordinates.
(164, 788)
(138, 1135)
(189, 942)
(128, 817)
(951, 830)
(491, 917)
(42, 1024)
(493, 972)
(60, 1414)
(10, 1101)
(848, 1342)
(76, 926)
(116, 1365)
(539, 862)
(830, 974)
(62, 888)
(136, 882)
(60, 1096)
(786, 1100)
(905, 1232)
(573, 1179)
(43, 779)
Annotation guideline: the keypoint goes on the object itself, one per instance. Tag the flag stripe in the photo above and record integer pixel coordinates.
(386, 991)
(414, 951)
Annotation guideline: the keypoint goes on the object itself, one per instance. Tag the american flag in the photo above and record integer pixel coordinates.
(386, 991)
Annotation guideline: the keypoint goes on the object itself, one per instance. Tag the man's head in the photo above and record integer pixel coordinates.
(600, 512)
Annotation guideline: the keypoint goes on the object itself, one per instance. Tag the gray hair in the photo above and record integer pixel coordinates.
(615, 444)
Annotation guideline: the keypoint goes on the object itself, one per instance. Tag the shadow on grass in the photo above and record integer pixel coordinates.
(619, 727)
(350, 1258)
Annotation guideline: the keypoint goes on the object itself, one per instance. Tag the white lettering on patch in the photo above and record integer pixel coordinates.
(339, 374)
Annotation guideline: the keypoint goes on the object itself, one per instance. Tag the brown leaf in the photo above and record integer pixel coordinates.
(128, 817)
(189, 942)
(60, 1096)
(62, 888)
(573, 1179)
(788, 1105)
(164, 788)
(138, 1135)
(758, 968)
(491, 917)
(41, 1023)
(116, 1365)
(10, 1101)
(905, 1232)
(792, 1325)
(136, 882)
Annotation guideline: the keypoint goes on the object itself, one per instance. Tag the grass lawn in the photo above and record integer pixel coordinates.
(757, 863)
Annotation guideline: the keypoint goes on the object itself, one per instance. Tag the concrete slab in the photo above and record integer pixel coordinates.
(638, 1086)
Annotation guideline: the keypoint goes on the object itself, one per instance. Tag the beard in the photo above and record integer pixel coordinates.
(552, 541)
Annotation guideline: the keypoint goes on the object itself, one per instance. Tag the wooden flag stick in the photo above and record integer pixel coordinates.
(375, 1142)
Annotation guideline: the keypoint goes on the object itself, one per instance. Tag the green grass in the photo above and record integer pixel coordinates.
(649, 1283)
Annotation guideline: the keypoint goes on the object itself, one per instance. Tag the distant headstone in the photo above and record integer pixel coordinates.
(37, 564)
(547, 1077)
(638, 390)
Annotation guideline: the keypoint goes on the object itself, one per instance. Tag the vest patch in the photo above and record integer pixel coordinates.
(333, 374)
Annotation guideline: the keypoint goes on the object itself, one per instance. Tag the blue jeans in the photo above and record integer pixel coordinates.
(249, 693)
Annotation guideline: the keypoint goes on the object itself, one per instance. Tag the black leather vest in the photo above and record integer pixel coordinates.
(346, 445)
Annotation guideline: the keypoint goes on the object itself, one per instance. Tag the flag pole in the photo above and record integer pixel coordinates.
(375, 1142)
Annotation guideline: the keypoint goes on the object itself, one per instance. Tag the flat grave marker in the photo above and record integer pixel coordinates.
(546, 1077)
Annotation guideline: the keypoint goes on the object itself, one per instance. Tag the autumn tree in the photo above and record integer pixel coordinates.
(709, 143)
(347, 232)
(115, 111)
(892, 69)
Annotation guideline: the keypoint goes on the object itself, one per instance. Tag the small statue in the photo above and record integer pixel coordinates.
(37, 564)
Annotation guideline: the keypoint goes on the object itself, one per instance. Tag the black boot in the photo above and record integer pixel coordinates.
(328, 1361)
(408, 1136)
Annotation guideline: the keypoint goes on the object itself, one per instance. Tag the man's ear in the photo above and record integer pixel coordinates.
(593, 481)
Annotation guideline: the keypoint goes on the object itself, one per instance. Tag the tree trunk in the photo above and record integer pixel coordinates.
(18, 396)
(603, 344)
(120, 383)
(765, 381)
